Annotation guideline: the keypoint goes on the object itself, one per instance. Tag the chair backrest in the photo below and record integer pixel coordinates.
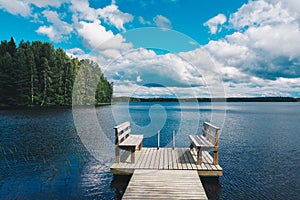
(122, 132)
(210, 132)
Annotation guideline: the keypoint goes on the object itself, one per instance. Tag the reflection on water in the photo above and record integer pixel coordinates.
(43, 157)
(212, 186)
(119, 183)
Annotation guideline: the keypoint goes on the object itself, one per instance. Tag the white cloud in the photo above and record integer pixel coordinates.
(215, 23)
(82, 10)
(50, 32)
(138, 79)
(143, 21)
(252, 60)
(46, 3)
(138, 68)
(112, 15)
(103, 42)
(293, 6)
(135, 90)
(61, 26)
(162, 21)
(278, 87)
(22, 7)
(231, 54)
(261, 58)
(16, 7)
(59, 29)
(76, 52)
(266, 43)
(159, 20)
(94, 33)
(260, 13)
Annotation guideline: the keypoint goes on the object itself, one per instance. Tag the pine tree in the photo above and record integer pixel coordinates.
(33, 77)
(46, 81)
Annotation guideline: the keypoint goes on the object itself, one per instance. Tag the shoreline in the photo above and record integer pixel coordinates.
(141, 100)
(3, 106)
(229, 99)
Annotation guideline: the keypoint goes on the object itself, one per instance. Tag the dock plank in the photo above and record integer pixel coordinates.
(182, 159)
(170, 159)
(157, 158)
(165, 184)
(174, 163)
(146, 156)
(149, 159)
(167, 159)
(161, 159)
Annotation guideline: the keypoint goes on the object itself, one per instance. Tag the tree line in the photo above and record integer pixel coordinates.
(35, 73)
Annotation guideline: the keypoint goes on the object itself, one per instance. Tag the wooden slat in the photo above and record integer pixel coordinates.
(188, 163)
(161, 160)
(149, 159)
(174, 163)
(182, 159)
(199, 140)
(191, 160)
(138, 158)
(209, 157)
(165, 158)
(122, 126)
(124, 134)
(165, 184)
(156, 161)
(152, 163)
(199, 167)
(207, 163)
(132, 140)
(211, 125)
(146, 155)
(170, 158)
(177, 157)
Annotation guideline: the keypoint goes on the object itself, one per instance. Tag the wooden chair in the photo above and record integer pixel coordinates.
(208, 141)
(126, 141)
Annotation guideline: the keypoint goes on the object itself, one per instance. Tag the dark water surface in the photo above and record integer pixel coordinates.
(45, 155)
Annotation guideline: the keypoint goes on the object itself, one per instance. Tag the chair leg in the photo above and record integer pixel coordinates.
(199, 156)
(191, 146)
(133, 155)
(216, 155)
(117, 152)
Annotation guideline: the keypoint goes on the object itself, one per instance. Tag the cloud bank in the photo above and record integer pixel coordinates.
(256, 50)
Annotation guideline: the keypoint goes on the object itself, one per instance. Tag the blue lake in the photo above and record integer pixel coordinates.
(60, 153)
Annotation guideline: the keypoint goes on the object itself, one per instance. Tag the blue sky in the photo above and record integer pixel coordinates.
(192, 48)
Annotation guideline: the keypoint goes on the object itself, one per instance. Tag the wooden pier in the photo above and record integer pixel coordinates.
(167, 159)
(166, 173)
(165, 184)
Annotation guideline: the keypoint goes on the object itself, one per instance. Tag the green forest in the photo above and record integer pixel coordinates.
(37, 74)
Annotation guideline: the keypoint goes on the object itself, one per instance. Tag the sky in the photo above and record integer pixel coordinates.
(172, 48)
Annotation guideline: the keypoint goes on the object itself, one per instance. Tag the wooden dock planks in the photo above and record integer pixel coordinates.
(165, 184)
(168, 159)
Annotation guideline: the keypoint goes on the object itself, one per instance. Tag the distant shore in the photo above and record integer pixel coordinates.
(230, 99)
(133, 99)
(3, 106)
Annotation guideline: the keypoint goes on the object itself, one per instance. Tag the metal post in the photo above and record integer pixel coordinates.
(158, 139)
(173, 140)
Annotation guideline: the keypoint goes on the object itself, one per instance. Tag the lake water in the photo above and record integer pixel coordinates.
(57, 153)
